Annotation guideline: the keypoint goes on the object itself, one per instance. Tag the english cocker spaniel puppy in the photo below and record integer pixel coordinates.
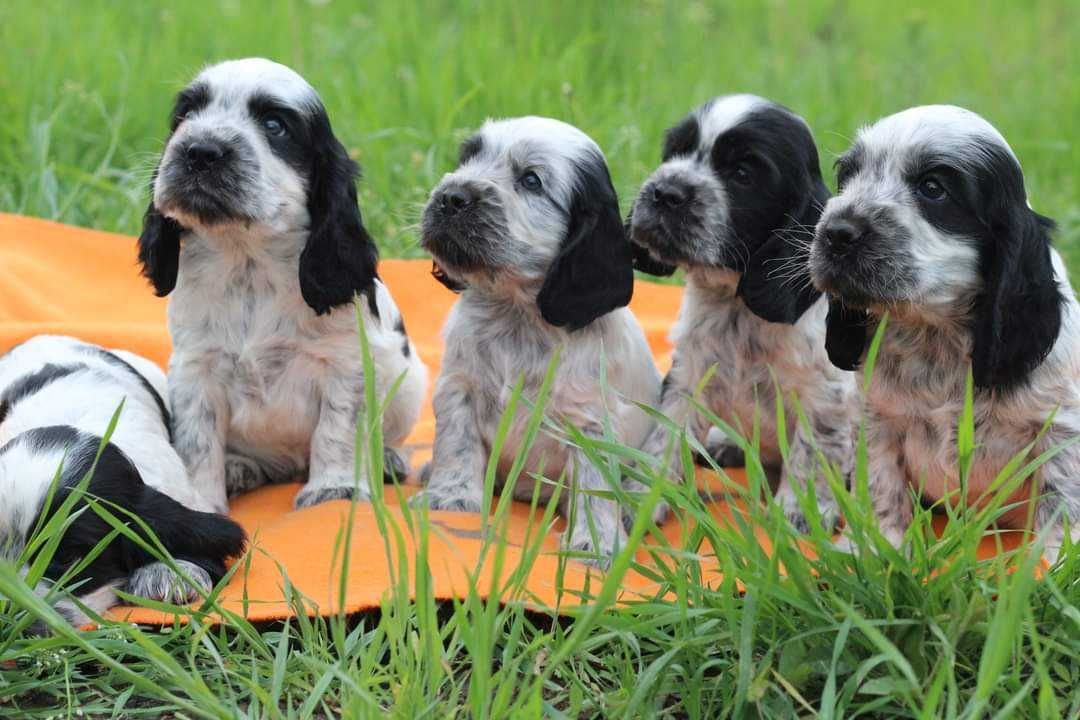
(57, 398)
(528, 229)
(734, 204)
(254, 229)
(932, 224)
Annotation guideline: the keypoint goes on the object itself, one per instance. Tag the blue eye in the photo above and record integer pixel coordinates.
(273, 125)
(931, 188)
(531, 182)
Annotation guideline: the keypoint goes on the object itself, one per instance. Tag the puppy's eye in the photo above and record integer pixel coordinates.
(531, 182)
(743, 174)
(273, 125)
(931, 188)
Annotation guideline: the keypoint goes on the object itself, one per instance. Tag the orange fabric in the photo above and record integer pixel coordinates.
(72, 281)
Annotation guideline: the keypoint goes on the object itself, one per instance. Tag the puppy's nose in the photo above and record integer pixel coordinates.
(454, 199)
(203, 154)
(670, 194)
(842, 233)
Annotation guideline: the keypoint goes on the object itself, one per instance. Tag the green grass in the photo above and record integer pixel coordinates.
(931, 633)
(87, 86)
(927, 632)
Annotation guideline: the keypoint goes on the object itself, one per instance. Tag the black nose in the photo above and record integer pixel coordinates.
(203, 154)
(454, 199)
(670, 194)
(842, 233)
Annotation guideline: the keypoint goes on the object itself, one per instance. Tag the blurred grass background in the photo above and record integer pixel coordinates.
(87, 86)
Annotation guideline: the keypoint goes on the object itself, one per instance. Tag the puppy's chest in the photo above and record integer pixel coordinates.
(920, 425)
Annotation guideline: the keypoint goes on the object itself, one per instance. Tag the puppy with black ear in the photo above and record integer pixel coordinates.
(57, 398)
(254, 229)
(528, 229)
(734, 204)
(932, 224)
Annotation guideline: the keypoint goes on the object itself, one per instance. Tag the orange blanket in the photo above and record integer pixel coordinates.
(66, 280)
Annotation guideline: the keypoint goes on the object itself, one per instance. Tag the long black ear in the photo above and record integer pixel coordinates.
(159, 250)
(593, 273)
(643, 260)
(845, 335)
(1018, 315)
(776, 284)
(340, 259)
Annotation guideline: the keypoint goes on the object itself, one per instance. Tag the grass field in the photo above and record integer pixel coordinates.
(86, 89)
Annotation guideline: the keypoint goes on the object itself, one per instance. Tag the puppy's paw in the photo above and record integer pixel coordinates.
(457, 501)
(395, 466)
(830, 513)
(599, 550)
(311, 495)
(157, 581)
(660, 513)
(242, 474)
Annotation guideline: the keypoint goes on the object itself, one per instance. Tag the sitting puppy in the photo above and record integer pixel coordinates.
(932, 224)
(734, 203)
(255, 230)
(57, 397)
(528, 229)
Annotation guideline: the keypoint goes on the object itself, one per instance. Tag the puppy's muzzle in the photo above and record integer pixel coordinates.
(204, 155)
(669, 194)
(461, 225)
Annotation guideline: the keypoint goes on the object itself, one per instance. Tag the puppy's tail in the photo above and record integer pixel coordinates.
(205, 539)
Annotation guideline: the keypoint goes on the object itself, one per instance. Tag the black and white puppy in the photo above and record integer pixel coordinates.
(933, 225)
(528, 229)
(254, 228)
(734, 204)
(57, 396)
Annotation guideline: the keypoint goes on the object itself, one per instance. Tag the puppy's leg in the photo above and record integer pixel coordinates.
(597, 528)
(723, 452)
(802, 467)
(200, 423)
(888, 485)
(455, 477)
(242, 474)
(662, 443)
(1060, 501)
(333, 452)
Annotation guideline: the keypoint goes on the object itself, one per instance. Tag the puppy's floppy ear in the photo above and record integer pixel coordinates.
(340, 259)
(775, 284)
(593, 273)
(643, 260)
(1018, 314)
(159, 250)
(845, 335)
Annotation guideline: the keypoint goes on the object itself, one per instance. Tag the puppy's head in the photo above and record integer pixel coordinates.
(251, 151)
(739, 188)
(531, 204)
(932, 217)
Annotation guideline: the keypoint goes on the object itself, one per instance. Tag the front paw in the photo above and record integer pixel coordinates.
(830, 513)
(157, 581)
(452, 501)
(726, 454)
(596, 548)
(638, 490)
(311, 495)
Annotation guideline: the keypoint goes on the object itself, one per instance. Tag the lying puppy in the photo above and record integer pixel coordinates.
(57, 396)
(255, 230)
(528, 229)
(734, 203)
(932, 224)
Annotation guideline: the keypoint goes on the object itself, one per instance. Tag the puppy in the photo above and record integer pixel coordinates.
(734, 203)
(932, 224)
(528, 229)
(255, 231)
(57, 397)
